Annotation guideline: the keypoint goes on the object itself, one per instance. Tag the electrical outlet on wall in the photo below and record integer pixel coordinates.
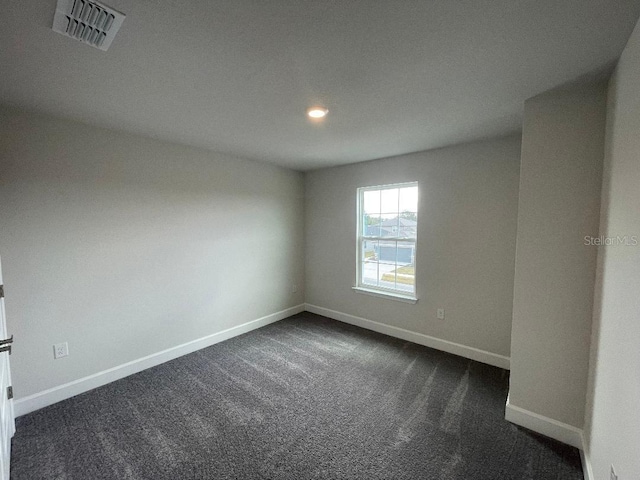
(60, 350)
(441, 313)
(294, 288)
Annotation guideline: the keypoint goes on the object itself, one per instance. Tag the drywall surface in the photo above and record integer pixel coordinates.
(613, 416)
(560, 184)
(468, 196)
(124, 246)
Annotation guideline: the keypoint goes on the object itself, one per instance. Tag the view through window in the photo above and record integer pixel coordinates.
(387, 233)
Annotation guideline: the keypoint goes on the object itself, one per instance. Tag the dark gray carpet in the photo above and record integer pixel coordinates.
(305, 398)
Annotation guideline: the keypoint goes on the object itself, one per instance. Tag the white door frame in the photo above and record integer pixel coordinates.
(7, 422)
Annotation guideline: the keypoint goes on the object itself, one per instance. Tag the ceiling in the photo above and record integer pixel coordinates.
(236, 76)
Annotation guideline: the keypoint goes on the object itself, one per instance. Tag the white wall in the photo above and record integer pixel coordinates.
(124, 246)
(613, 417)
(466, 241)
(560, 180)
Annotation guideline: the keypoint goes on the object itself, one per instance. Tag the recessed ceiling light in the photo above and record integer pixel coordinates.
(317, 112)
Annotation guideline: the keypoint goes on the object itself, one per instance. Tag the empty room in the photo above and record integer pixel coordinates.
(292, 240)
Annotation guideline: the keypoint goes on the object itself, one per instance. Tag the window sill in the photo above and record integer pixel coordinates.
(390, 295)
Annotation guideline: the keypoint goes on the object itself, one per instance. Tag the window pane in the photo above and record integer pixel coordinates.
(389, 225)
(409, 199)
(406, 253)
(389, 201)
(405, 273)
(369, 262)
(371, 225)
(406, 278)
(407, 230)
(369, 250)
(412, 216)
(388, 278)
(387, 253)
(372, 201)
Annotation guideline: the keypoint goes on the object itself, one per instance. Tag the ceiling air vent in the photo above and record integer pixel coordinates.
(90, 22)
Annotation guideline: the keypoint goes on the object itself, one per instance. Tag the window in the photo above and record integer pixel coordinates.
(387, 233)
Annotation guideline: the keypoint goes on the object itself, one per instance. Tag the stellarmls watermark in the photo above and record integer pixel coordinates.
(617, 241)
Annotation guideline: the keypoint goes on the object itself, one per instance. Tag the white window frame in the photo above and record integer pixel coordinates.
(376, 290)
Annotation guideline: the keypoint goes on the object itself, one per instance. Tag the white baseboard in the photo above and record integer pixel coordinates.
(586, 461)
(554, 429)
(419, 338)
(549, 427)
(62, 392)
